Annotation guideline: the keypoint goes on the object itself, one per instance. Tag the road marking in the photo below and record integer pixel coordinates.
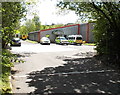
(21, 76)
(69, 73)
(83, 72)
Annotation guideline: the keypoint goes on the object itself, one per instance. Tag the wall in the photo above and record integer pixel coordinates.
(91, 34)
(86, 32)
(84, 29)
(67, 30)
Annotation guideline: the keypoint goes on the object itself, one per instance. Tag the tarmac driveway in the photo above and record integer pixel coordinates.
(62, 69)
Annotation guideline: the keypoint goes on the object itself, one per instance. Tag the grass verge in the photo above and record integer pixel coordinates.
(34, 42)
(5, 81)
(6, 64)
(89, 44)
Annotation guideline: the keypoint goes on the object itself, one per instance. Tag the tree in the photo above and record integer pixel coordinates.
(34, 24)
(29, 26)
(12, 12)
(106, 30)
(36, 20)
(23, 30)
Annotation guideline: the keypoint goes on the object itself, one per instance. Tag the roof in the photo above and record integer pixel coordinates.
(54, 28)
(60, 27)
(34, 32)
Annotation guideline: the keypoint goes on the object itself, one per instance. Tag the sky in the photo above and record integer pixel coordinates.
(49, 13)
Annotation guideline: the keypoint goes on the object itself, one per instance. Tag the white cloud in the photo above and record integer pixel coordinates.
(47, 10)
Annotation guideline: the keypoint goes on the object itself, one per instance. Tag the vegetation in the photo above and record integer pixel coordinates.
(6, 65)
(90, 44)
(12, 12)
(106, 30)
(31, 41)
(34, 24)
(30, 26)
(50, 26)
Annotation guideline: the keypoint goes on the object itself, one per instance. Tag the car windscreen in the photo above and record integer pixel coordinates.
(71, 38)
(79, 38)
(45, 39)
(63, 39)
(16, 40)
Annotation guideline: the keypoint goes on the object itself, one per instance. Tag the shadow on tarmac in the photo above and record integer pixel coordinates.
(78, 75)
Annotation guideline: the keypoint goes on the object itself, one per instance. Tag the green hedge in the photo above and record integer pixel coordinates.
(8, 60)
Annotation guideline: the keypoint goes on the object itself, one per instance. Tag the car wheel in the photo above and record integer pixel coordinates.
(60, 43)
(80, 44)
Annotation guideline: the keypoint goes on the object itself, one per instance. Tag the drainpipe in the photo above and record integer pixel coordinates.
(87, 32)
(38, 36)
(78, 29)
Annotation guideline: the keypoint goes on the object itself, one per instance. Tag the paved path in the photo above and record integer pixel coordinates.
(62, 69)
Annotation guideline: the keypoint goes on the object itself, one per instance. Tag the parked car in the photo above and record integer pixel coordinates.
(45, 40)
(15, 42)
(61, 40)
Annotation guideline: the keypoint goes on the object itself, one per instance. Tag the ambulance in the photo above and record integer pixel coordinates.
(75, 39)
(61, 40)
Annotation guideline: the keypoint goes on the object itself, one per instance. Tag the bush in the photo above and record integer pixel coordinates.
(8, 60)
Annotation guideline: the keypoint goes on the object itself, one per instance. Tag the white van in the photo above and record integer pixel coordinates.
(75, 39)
